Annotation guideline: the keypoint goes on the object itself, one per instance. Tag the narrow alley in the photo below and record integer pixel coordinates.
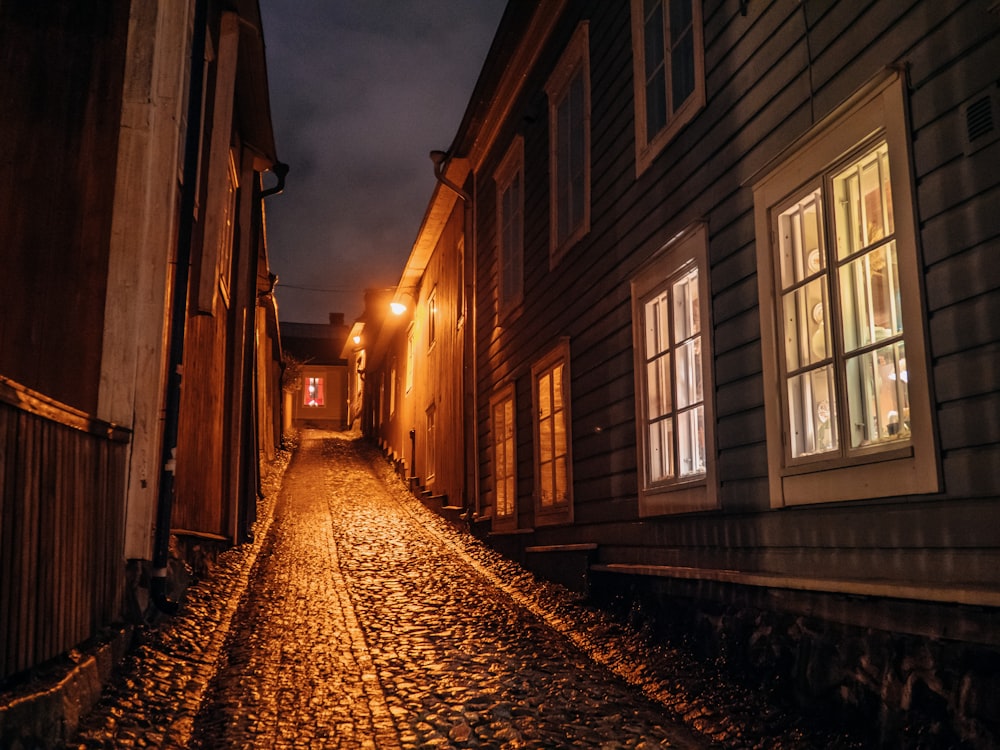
(368, 622)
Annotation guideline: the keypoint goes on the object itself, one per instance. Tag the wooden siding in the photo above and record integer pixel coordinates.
(63, 68)
(61, 504)
(769, 77)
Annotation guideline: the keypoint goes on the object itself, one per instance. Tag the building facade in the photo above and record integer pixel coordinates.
(730, 281)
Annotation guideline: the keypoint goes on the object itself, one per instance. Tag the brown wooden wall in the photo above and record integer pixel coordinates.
(61, 487)
(62, 66)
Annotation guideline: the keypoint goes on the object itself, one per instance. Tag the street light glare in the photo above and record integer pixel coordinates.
(398, 308)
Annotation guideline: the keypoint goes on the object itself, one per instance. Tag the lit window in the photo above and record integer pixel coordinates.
(668, 61)
(409, 359)
(553, 479)
(569, 134)
(432, 318)
(228, 228)
(510, 223)
(504, 456)
(392, 389)
(673, 377)
(312, 394)
(842, 313)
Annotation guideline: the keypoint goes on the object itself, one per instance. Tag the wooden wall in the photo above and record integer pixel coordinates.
(61, 488)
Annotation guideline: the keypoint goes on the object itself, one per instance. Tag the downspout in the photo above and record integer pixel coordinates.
(178, 318)
(470, 454)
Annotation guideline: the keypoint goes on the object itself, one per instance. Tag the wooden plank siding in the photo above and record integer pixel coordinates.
(61, 488)
(770, 76)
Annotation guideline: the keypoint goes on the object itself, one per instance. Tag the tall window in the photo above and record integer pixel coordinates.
(568, 91)
(839, 275)
(228, 229)
(313, 393)
(674, 377)
(668, 61)
(553, 460)
(409, 359)
(431, 443)
(510, 226)
(392, 389)
(502, 416)
(432, 318)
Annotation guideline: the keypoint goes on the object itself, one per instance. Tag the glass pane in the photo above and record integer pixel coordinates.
(800, 240)
(557, 388)
(560, 480)
(545, 440)
(545, 482)
(863, 199)
(807, 337)
(691, 442)
(689, 374)
(655, 73)
(812, 413)
(577, 152)
(687, 316)
(682, 70)
(661, 458)
(878, 396)
(559, 428)
(544, 394)
(870, 298)
(658, 393)
(680, 18)
(656, 319)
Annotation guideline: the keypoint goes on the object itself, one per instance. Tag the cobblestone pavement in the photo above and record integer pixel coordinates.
(369, 622)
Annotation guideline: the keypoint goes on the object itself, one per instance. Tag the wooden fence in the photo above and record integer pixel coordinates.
(62, 477)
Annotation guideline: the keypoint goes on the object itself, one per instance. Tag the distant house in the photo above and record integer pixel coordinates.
(319, 398)
(723, 333)
(141, 141)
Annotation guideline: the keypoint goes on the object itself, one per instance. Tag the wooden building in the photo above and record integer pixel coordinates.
(319, 398)
(733, 352)
(134, 136)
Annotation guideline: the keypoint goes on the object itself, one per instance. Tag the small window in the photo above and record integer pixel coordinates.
(553, 446)
(510, 227)
(313, 394)
(849, 407)
(669, 75)
(672, 337)
(568, 91)
(503, 428)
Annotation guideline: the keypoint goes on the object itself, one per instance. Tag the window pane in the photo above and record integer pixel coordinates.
(560, 480)
(655, 71)
(313, 395)
(545, 481)
(878, 396)
(687, 315)
(691, 442)
(682, 69)
(863, 200)
(577, 149)
(799, 240)
(812, 412)
(557, 388)
(658, 391)
(657, 320)
(870, 298)
(545, 440)
(689, 374)
(661, 457)
(544, 391)
(807, 337)
(680, 18)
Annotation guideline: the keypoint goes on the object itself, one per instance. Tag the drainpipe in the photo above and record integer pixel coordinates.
(471, 447)
(178, 318)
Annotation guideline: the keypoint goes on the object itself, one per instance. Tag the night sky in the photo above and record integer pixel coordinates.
(361, 92)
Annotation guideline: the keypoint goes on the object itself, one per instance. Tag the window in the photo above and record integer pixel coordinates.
(392, 389)
(553, 459)
(510, 227)
(312, 394)
(431, 445)
(503, 428)
(228, 228)
(569, 137)
(409, 359)
(673, 373)
(848, 411)
(669, 74)
(431, 318)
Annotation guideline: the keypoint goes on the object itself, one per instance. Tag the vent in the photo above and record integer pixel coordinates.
(980, 118)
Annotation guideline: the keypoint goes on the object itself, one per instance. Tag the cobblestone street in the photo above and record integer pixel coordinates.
(369, 622)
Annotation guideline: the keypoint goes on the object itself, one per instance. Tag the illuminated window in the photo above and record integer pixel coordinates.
(553, 460)
(668, 62)
(569, 136)
(409, 359)
(510, 222)
(313, 393)
(432, 318)
(392, 389)
(674, 377)
(839, 275)
(504, 455)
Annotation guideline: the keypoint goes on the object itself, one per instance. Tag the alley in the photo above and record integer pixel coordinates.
(368, 622)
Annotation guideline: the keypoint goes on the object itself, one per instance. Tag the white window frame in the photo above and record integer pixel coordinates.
(575, 61)
(510, 245)
(504, 454)
(558, 511)
(890, 469)
(649, 145)
(686, 252)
